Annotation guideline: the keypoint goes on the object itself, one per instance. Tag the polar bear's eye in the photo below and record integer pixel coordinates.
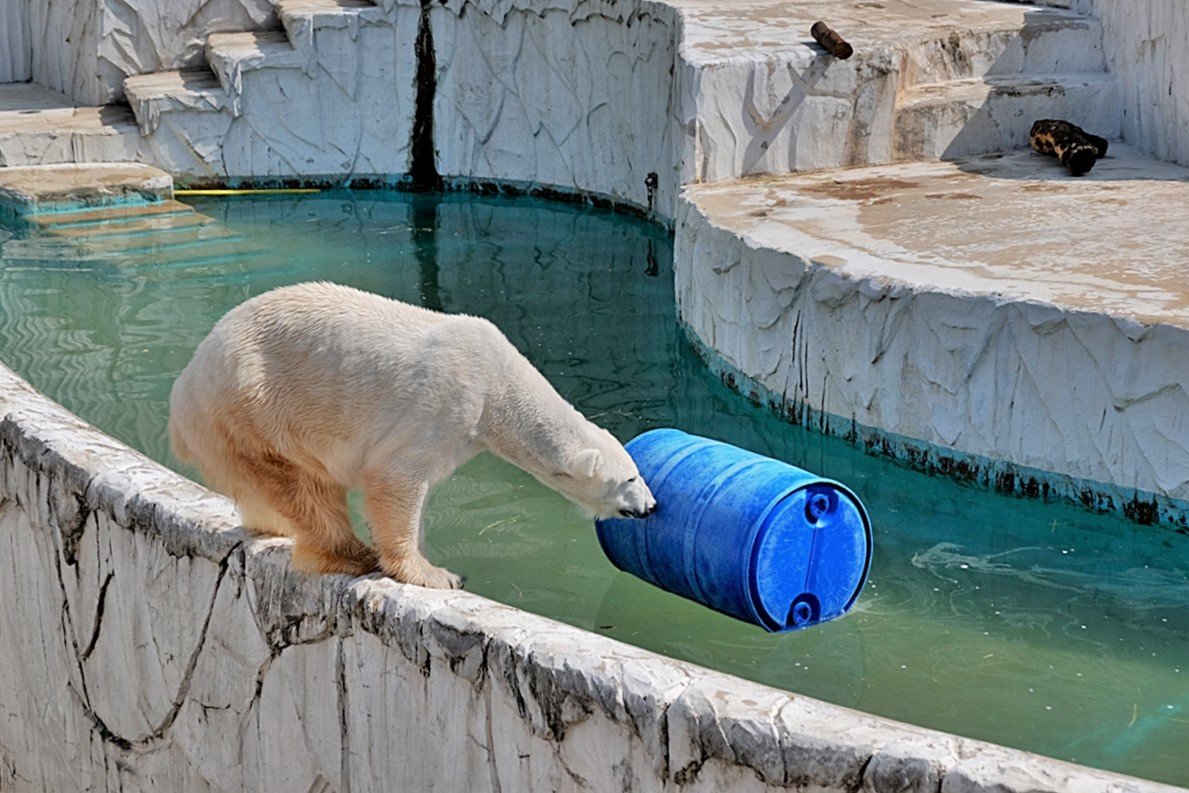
(633, 479)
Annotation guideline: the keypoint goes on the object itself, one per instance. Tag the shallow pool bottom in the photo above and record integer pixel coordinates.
(1027, 624)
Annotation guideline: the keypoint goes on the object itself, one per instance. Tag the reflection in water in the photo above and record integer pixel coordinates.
(424, 221)
(1028, 624)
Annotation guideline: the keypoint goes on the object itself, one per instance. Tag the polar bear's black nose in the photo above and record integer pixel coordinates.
(636, 513)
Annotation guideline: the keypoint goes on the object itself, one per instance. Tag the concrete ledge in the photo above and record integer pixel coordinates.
(50, 188)
(172, 651)
(956, 307)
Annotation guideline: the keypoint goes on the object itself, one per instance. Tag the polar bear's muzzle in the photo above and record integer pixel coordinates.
(638, 513)
(633, 499)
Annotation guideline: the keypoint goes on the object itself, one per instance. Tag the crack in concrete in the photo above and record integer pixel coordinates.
(340, 673)
(857, 785)
(68, 619)
(492, 764)
(98, 724)
(423, 159)
(98, 619)
(192, 663)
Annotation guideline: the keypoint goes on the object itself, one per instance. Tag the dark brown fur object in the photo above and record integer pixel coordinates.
(1077, 149)
(830, 41)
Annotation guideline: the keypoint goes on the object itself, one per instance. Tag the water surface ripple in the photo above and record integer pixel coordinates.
(1033, 625)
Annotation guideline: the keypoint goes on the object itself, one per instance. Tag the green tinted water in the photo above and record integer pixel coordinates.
(1031, 625)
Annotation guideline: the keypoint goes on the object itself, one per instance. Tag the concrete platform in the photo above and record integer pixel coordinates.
(994, 319)
(716, 31)
(48, 188)
(39, 126)
(1013, 227)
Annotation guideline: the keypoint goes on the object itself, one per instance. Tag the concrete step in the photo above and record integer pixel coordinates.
(1048, 42)
(153, 95)
(181, 242)
(131, 227)
(102, 215)
(180, 258)
(39, 126)
(231, 55)
(204, 244)
(994, 114)
(941, 225)
(301, 18)
(31, 190)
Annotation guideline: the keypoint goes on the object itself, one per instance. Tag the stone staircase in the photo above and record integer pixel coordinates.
(39, 126)
(297, 102)
(165, 234)
(315, 100)
(980, 92)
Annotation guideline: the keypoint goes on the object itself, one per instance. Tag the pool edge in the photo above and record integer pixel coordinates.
(83, 514)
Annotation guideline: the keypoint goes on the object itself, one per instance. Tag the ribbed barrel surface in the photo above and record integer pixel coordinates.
(744, 534)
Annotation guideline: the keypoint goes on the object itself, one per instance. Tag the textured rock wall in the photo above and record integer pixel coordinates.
(16, 56)
(147, 643)
(64, 40)
(574, 95)
(1146, 45)
(85, 48)
(143, 36)
(338, 102)
(788, 112)
(1087, 397)
(346, 109)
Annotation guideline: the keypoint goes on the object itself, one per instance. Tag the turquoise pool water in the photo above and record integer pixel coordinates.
(1033, 625)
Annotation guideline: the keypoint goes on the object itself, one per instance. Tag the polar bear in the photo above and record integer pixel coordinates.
(305, 392)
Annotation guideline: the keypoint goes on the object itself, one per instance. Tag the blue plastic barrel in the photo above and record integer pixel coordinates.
(744, 534)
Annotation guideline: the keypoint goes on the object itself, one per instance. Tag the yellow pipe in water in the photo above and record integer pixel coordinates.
(255, 191)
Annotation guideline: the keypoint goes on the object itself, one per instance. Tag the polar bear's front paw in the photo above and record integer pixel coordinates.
(421, 573)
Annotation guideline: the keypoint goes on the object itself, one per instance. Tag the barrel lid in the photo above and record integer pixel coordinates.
(799, 580)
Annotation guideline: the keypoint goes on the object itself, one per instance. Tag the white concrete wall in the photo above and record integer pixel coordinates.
(16, 56)
(963, 382)
(143, 36)
(1147, 45)
(64, 37)
(335, 100)
(147, 643)
(629, 101)
(574, 95)
(85, 48)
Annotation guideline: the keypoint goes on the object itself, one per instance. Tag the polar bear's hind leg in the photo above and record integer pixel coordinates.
(312, 509)
(259, 516)
(326, 542)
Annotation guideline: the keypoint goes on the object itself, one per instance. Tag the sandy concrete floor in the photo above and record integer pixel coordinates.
(715, 29)
(25, 190)
(1017, 226)
(28, 107)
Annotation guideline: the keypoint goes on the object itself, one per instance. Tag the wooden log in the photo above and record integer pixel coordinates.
(830, 41)
(1076, 149)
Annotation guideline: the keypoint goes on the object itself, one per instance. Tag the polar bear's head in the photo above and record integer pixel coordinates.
(602, 478)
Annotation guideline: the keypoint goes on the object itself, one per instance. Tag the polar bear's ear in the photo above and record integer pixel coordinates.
(586, 462)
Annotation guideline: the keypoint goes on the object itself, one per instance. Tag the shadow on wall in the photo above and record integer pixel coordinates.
(1054, 67)
(16, 53)
(762, 131)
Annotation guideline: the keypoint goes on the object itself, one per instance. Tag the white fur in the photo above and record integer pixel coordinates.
(330, 388)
